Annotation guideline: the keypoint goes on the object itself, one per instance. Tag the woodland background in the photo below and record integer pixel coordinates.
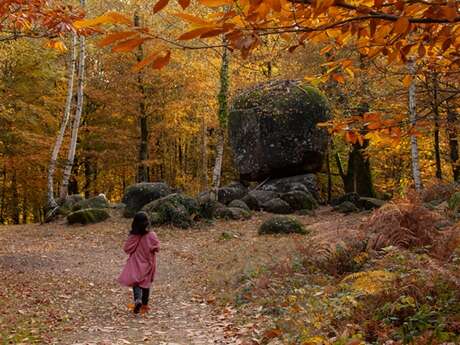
(181, 106)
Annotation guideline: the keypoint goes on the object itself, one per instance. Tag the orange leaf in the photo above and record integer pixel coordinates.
(109, 39)
(184, 3)
(272, 333)
(407, 80)
(107, 18)
(162, 60)
(213, 33)
(338, 78)
(449, 12)
(195, 33)
(275, 5)
(160, 5)
(148, 60)
(128, 45)
(401, 25)
(191, 19)
(215, 3)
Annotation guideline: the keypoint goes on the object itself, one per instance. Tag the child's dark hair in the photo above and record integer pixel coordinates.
(140, 224)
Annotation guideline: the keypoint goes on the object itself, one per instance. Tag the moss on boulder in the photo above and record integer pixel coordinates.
(282, 225)
(99, 201)
(140, 194)
(88, 216)
(176, 209)
(273, 130)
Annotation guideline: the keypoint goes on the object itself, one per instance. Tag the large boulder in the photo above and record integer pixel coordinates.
(176, 209)
(273, 130)
(282, 225)
(278, 206)
(99, 201)
(88, 216)
(140, 194)
(299, 200)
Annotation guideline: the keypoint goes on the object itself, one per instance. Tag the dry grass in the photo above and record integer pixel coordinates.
(404, 223)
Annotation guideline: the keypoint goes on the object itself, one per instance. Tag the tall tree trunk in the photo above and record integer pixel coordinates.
(77, 118)
(51, 203)
(223, 117)
(3, 197)
(15, 199)
(204, 154)
(435, 107)
(453, 142)
(413, 121)
(143, 173)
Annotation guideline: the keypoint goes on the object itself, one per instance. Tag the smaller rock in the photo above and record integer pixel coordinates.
(239, 204)
(251, 202)
(140, 194)
(87, 216)
(208, 208)
(99, 201)
(261, 196)
(351, 197)
(300, 200)
(282, 225)
(234, 213)
(233, 191)
(346, 207)
(278, 206)
(369, 203)
(67, 203)
(454, 202)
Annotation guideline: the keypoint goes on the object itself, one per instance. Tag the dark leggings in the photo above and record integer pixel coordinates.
(141, 294)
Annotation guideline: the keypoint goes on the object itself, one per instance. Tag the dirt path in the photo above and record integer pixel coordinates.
(57, 283)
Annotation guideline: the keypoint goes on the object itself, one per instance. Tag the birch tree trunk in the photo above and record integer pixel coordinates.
(143, 171)
(51, 203)
(223, 117)
(77, 118)
(204, 155)
(413, 121)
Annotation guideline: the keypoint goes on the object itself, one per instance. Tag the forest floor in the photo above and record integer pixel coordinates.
(57, 282)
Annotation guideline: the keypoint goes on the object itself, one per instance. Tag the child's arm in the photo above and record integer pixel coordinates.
(154, 242)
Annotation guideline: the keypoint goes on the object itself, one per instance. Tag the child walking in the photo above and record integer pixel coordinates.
(139, 271)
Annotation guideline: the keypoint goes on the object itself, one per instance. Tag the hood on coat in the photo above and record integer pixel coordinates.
(131, 243)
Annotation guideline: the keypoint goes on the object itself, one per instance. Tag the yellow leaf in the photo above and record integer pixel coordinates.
(117, 36)
(401, 25)
(191, 19)
(107, 18)
(128, 45)
(215, 3)
(195, 33)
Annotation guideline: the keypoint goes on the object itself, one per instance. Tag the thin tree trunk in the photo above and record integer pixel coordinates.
(76, 122)
(204, 155)
(51, 203)
(15, 198)
(413, 121)
(435, 105)
(223, 116)
(453, 142)
(329, 174)
(143, 173)
(3, 197)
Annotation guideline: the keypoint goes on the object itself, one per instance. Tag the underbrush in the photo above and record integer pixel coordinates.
(395, 282)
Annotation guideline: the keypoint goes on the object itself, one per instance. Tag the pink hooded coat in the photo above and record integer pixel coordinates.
(141, 265)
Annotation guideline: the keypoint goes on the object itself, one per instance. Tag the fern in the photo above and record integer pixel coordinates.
(370, 282)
